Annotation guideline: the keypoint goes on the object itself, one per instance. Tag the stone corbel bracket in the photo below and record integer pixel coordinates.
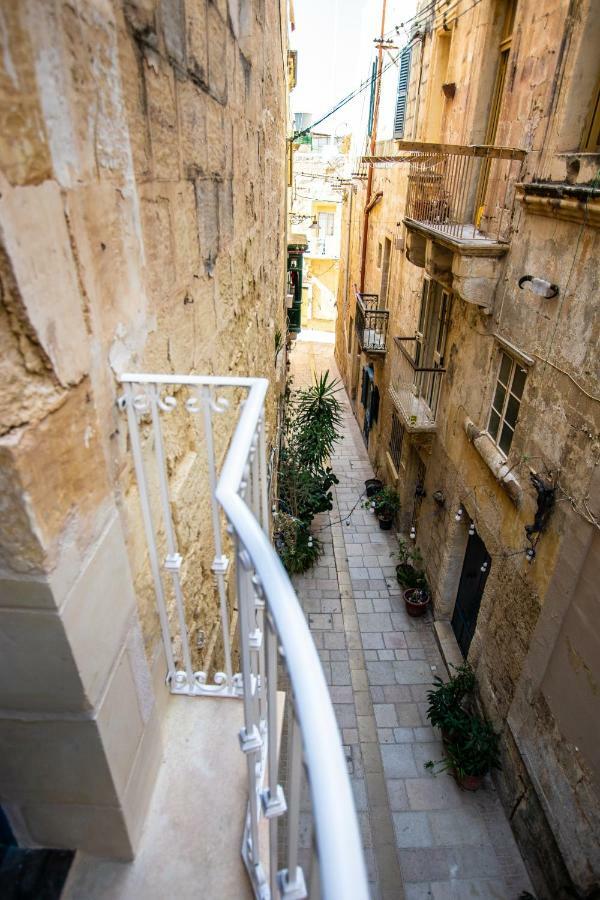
(494, 460)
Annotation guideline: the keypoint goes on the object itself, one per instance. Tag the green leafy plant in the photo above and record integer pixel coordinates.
(385, 502)
(473, 750)
(408, 570)
(305, 479)
(278, 341)
(446, 698)
(297, 548)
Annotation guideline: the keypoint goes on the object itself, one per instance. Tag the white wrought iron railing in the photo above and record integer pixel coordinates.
(414, 389)
(270, 627)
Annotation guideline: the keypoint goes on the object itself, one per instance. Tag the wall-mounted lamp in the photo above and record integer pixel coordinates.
(539, 286)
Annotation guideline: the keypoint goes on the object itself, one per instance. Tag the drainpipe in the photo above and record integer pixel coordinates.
(363, 253)
(348, 239)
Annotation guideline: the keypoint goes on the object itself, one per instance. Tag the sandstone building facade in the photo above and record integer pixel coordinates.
(468, 343)
(142, 223)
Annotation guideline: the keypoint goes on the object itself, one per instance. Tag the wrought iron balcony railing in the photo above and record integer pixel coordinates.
(371, 323)
(271, 627)
(463, 193)
(414, 388)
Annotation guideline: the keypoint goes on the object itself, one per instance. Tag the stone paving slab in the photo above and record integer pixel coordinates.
(423, 836)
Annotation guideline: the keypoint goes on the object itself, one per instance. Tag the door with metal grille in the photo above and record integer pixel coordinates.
(475, 570)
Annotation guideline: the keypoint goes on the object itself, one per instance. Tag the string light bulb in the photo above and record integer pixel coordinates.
(472, 529)
(310, 541)
(459, 514)
(530, 554)
(413, 533)
(484, 567)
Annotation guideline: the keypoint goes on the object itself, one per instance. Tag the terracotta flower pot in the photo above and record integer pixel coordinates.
(469, 782)
(412, 608)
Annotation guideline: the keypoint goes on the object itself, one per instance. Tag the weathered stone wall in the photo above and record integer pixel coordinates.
(142, 225)
(534, 630)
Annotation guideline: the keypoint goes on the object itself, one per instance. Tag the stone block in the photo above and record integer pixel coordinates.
(192, 127)
(162, 118)
(415, 248)
(120, 705)
(438, 262)
(100, 830)
(217, 54)
(98, 610)
(37, 668)
(196, 39)
(45, 275)
(52, 463)
(54, 761)
(172, 16)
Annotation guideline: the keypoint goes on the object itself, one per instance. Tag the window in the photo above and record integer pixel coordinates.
(506, 402)
(402, 93)
(396, 439)
(430, 341)
(326, 221)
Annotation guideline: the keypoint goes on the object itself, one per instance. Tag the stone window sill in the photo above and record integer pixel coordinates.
(494, 460)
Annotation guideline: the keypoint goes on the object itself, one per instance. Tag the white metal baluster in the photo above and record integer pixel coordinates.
(173, 560)
(264, 487)
(273, 800)
(291, 880)
(250, 740)
(220, 562)
(259, 603)
(138, 461)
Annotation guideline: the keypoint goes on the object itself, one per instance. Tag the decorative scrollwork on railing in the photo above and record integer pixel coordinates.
(193, 405)
(219, 405)
(141, 403)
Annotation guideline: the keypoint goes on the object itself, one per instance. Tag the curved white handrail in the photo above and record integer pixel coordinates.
(342, 867)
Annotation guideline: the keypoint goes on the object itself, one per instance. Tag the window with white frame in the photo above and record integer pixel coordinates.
(506, 402)
(326, 222)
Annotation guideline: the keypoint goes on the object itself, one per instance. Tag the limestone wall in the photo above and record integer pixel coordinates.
(141, 229)
(534, 632)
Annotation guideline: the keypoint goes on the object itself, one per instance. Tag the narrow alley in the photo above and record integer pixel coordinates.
(423, 836)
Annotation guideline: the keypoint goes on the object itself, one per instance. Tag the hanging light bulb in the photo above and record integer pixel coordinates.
(413, 533)
(530, 554)
(373, 506)
(472, 529)
(484, 567)
(310, 541)
(459, 514)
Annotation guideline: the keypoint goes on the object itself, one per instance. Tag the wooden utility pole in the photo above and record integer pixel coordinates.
(363, 252)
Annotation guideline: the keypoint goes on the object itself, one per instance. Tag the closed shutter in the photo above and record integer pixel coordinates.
(402, 95)
(374, 405)
(372, 98)
(365, 387)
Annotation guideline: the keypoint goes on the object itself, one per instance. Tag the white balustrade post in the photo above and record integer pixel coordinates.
(140, 472)
(220, 562)
(291, 880)
(273, 800)
(173, 560)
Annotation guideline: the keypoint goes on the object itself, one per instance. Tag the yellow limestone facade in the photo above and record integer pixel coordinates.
(521, 75)
(142, 222)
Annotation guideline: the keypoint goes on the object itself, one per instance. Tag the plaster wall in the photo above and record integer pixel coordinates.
(141, 229)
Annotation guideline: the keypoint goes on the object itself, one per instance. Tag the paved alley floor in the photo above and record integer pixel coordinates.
(423, 836)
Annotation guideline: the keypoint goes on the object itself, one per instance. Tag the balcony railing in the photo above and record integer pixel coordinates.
(371, 323)
(463, 193)
(271, 627)
(415, 389)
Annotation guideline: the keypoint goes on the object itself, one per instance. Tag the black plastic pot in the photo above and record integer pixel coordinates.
(385, 522)
(372, 486)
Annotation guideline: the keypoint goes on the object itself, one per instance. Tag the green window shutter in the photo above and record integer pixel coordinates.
(402, 93)
(372, 98)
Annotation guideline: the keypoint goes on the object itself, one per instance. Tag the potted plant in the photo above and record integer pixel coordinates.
(409, 561)
(470, 742)
(445, 708)
(417, 599)
(386, 505)
(473, 752)
(373, 486)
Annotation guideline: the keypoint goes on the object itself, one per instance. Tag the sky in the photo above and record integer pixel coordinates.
(334, 40)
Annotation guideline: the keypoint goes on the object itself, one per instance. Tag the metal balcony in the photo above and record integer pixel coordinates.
(223, 419)
(415, 389)
(462, 193)
(371, 324)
